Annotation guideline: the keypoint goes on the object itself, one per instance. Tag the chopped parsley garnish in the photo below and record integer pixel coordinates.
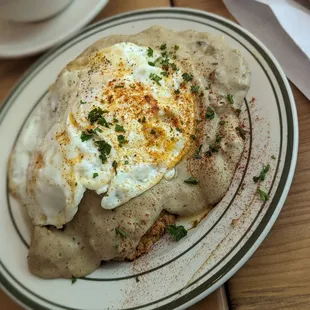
(157, 60)
(241, 132)
(86, 135)
(102, 121)
(126, 162)
(174, 67)
(73, 280)
(115, 120)
(177, 91)
(104, 149)
(114, 165)
(218, 139)
(263, 195)
(95, 175)
(82, 102)
(193, 137)
(164, 54)
(195, 89)
(121, 140)
(191, 180)
(165, 63)
(230, 99)
(163, 46)
(164, 73)
(178, 129)
(197, 152)
(187, 77)
(222, 122)
(119, 86)
(153, 132)
(210, 113)
(151, 63)
(176, 47)
(120, 232)
(262, 174)
(155, 78)
(214, 148)
(119, 128)
(95, 114)
(238, 111)
(177, 232)
(273, 157)
(150, 52)
(97, 129)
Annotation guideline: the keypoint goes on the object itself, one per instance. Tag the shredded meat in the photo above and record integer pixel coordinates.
(158, 229)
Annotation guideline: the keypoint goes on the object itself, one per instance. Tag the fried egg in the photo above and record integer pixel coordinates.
(125, 117)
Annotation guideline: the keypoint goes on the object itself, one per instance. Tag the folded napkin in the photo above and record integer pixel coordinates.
(284, 27)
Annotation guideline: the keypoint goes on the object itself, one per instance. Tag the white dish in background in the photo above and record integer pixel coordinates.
(173, 275)
(25, 39)
(31, 10)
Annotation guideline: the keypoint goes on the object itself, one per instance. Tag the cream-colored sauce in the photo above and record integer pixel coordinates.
(90, 237)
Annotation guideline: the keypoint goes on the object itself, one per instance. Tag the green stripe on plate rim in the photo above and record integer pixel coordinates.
(290, 154)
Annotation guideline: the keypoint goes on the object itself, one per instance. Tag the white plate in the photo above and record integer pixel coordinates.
(172, 275)
(24, 39)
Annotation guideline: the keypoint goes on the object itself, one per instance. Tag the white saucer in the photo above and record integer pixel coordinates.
(24, 39)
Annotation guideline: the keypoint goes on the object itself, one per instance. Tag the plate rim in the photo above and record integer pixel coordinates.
(289, 177)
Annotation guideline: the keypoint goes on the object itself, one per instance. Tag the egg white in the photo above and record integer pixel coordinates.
(157, 128)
